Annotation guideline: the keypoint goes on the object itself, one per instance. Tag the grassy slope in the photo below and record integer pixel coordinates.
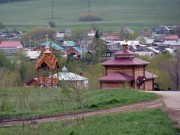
(35, 102)
(66, 12)
(147, 122)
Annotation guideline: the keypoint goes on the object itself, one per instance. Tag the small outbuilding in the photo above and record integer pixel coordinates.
(72, 79)
(45, 65)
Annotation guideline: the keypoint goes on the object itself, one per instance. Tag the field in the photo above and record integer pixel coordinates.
(17, 102)
(129, 123)
(114, 12)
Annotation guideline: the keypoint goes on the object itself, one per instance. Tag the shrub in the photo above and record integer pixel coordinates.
(90, 17)
(52, 24)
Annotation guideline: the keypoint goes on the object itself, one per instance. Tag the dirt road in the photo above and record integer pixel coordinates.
(133, 107)
(172, 104)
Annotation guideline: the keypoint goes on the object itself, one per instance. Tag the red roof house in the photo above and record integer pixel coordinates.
(11, 44)
(10, 47)
(126, 70)
(171, 37)
(111, 38)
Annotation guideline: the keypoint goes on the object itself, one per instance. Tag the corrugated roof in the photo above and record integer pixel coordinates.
(172, 42)
(133, 42)
(78, 49)
(69, 43)
(153, 49)
(171, 37)
(69, 76)
(11, 44)
(33, 54)
(52, 45)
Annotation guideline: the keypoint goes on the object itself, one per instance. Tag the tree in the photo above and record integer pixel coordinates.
(5, 63)
(98, 46)
(178, 30)
(172, 67)
(127, 33)
(39, 34)
(7, 80)
(1, 26)
(52, 24)
(78, 35)
(24, 67)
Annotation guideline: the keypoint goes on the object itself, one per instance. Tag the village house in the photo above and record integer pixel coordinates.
(76, 52)
(10, 47)
(124, 70)
(171, 37)
(173, 44)
(72, 79)
(163, 29)
(91, 33)
(53, 47)
(111, 38)
(61, 34)
(32, 55)
(71, 48)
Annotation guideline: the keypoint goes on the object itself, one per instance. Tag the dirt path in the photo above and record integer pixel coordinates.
(172, 104)
(133, 107)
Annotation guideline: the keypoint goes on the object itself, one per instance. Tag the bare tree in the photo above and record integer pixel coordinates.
(172, 67)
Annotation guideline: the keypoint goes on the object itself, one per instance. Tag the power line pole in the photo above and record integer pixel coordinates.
(89, 7)
(52, 7)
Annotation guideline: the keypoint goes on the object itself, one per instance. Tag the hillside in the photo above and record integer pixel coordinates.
(114, 12)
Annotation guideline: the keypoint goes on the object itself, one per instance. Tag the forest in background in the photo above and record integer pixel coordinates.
(5, 1)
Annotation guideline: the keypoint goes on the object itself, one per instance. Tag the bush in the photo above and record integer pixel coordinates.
(90, 17)
(52, 24)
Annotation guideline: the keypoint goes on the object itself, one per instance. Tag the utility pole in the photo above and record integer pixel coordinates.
(30, 41)
(47, 38)
(52, 7)
(89, 7)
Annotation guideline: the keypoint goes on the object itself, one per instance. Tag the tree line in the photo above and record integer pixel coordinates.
(5, 1)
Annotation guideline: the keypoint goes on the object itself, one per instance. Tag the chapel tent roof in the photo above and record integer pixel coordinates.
(124, 62)
(114, 77)
(123, 54)
(48, 59)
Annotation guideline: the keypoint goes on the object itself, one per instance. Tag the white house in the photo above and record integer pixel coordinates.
(174, 44)
(72, 79)
(33, 55)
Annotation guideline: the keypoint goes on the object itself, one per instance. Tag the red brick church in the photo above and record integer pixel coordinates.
(124, 70)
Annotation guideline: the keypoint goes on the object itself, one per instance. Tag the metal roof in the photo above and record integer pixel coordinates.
(125, 62)
(69, 43)
(117, 76)
(69, 76)
(52, 45)
(11, 44)
(149, 75)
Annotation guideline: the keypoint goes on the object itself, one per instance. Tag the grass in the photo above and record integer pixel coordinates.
(114, 12)
(41, 102)
(145, 122)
